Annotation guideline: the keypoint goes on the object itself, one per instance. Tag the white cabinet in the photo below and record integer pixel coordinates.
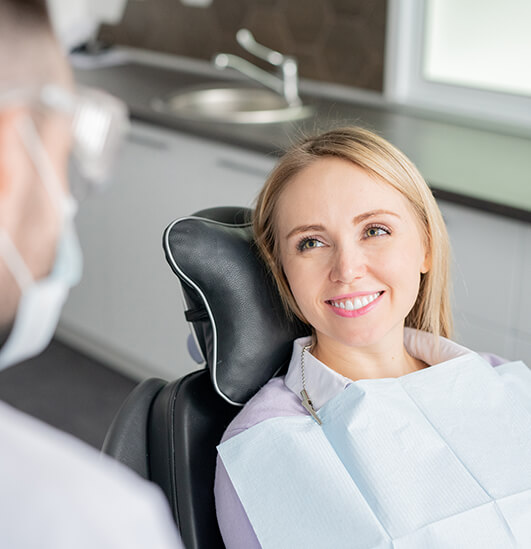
(127, 309)
(491, 297)
(524, 320)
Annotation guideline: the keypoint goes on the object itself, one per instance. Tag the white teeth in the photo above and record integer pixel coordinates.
(358, 303)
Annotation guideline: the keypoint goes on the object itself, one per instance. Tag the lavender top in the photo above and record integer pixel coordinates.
(280, 397)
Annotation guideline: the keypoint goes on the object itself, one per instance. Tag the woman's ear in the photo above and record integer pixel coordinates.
(426, 265)
(427, 260)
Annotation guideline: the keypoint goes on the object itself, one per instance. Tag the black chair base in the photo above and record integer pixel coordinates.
(168, 433)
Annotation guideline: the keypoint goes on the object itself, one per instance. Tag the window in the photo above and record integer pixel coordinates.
(470, 57)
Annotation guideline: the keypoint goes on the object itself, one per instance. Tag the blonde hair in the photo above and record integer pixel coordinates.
(431, 311)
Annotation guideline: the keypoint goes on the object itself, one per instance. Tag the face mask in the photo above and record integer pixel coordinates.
(41, 300)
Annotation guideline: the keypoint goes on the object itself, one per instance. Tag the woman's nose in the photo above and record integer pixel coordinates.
(347, 265)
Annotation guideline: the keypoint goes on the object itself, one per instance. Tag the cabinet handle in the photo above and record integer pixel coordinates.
(240, 167)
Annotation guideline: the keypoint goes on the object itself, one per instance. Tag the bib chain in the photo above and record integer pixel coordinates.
(306, 401)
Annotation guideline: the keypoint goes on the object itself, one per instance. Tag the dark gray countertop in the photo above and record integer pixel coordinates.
(480, 168)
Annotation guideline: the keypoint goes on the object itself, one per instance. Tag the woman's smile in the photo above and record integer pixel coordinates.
(356, 304)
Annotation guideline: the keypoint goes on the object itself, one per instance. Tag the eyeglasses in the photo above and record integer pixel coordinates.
(99, 123)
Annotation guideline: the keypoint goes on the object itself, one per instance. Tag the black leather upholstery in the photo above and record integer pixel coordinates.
(186, 424)
(168, 432)
(127, 437)
(236, 312)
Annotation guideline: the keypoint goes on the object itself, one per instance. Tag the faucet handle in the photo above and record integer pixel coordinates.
(246, 40)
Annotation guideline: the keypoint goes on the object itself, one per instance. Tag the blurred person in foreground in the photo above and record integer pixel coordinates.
(55, 491)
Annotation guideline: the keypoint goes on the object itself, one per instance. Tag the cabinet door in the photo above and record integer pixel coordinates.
(127, 309)
(487, 265)
(524, 319)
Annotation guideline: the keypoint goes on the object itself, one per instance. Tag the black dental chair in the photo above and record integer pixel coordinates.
(168, 431)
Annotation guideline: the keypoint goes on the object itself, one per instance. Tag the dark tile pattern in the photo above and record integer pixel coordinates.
(339, 41)
(67, 390)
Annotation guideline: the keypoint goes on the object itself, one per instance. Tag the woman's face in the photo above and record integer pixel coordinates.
(352, 253)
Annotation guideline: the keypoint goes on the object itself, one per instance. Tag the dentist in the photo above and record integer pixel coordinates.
(55, 492)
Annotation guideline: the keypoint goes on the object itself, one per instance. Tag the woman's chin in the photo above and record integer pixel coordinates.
(361, 338)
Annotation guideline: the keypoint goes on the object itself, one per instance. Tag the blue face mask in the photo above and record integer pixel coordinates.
(41, 300)
(98, 123)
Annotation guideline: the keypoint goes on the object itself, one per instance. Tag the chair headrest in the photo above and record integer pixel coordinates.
(236, 313)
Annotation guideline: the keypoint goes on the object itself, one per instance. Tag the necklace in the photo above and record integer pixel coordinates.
(306, 402)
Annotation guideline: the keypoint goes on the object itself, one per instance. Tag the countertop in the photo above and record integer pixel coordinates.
(484, 168)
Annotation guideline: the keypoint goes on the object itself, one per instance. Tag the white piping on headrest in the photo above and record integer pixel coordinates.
(202, 295)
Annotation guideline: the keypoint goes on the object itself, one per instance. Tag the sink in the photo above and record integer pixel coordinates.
(230, 104)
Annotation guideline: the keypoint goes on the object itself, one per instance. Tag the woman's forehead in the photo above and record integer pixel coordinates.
(335, 189)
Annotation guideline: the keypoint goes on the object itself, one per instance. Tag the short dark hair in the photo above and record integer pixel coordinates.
(29, 52)
(26, 12)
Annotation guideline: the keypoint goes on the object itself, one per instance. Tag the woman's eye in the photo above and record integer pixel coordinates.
(376, 231)
(309, 243)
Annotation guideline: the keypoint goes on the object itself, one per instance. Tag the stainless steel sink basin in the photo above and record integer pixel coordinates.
(233, 105)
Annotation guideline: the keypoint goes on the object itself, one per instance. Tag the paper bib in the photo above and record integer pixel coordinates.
(440, 458)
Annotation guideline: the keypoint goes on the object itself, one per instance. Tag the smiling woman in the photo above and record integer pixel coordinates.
(380, 168)
(352, 249)
(359, 251)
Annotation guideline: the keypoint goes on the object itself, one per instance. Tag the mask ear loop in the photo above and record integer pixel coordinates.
(14, 261)
(41, 161)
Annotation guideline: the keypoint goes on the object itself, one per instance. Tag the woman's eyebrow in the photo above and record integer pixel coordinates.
(358, 219)
(362, 217)
(303, 229)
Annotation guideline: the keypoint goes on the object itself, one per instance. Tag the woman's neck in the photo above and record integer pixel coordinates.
(385, 359)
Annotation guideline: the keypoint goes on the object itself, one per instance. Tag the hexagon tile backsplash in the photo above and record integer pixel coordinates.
(339, 41)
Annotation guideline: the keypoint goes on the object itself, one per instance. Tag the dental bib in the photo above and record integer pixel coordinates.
(439, 459)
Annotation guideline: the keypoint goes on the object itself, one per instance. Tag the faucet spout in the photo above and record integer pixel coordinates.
(286, 85)
(227, 60)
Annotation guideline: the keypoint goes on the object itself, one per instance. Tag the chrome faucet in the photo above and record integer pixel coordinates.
(286, 85)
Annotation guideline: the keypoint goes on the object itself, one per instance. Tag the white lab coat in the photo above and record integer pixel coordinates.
(58, 493)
